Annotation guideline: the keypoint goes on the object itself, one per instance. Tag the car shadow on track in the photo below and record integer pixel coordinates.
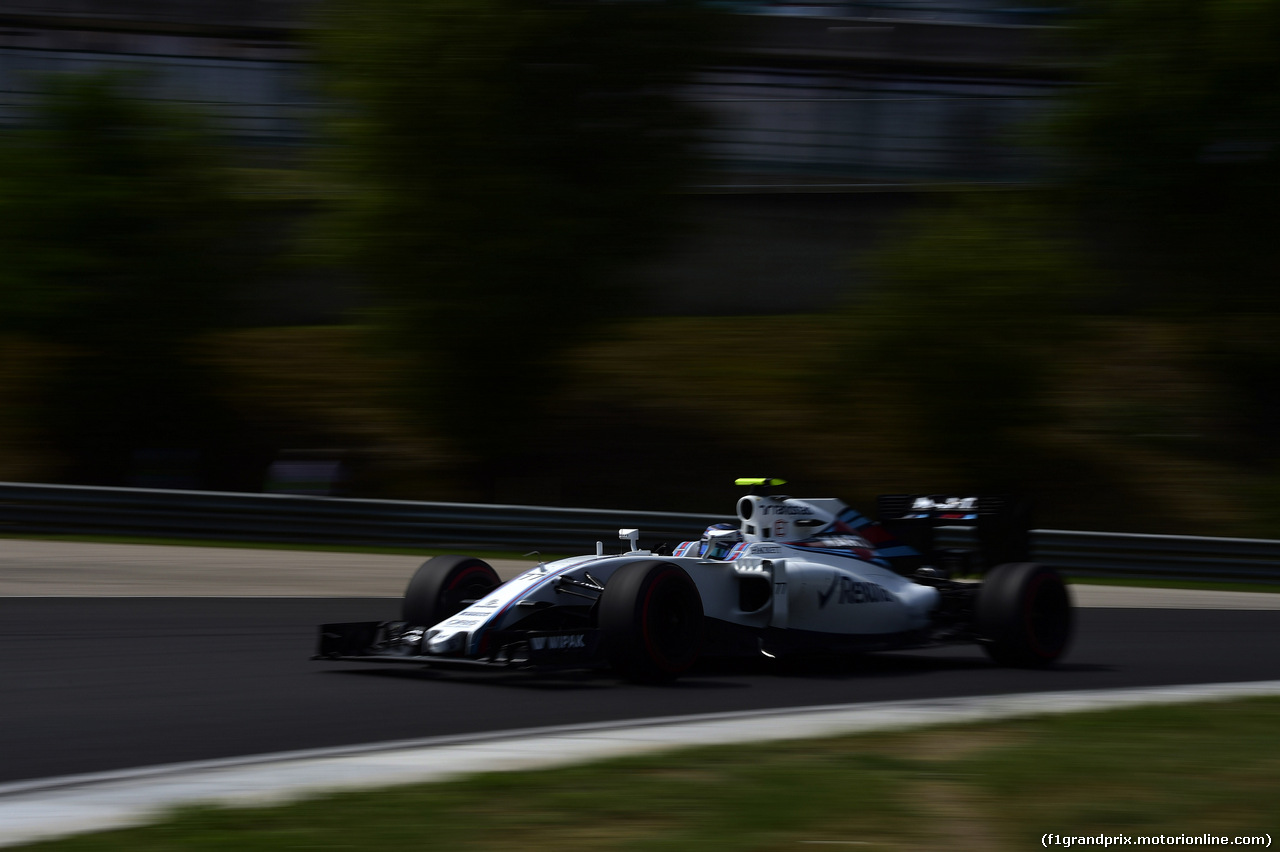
(716, 673)
(547, 681)
(890, 664)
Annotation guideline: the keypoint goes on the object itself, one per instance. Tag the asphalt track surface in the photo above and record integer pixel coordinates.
(93, 684)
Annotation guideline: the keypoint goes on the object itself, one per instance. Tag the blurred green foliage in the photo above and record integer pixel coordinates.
(1172, 150)
(500, 163)
(497, 171)
(1162, 212)
(122, 242)
(974, 306)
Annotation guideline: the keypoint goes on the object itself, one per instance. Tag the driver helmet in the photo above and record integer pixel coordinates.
(718, 540)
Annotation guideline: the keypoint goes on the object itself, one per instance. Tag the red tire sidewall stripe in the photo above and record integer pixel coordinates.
(654, 653)
(456, 582)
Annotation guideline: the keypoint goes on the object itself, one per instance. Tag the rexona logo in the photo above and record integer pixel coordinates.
(558, 643)
(784, 509)
(853, 592)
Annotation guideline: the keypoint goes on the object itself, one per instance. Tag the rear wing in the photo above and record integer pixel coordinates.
(1002, 526)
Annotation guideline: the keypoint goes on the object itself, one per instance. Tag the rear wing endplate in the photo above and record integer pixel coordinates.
(1002, 525)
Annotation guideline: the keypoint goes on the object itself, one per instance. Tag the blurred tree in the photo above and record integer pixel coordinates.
(1172, 156)
(1173, 148)
(505, 161)
(121, 242)
(973, 304)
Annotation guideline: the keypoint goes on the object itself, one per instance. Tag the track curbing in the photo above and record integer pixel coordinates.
(46, 808)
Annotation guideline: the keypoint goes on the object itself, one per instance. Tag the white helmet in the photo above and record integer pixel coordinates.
(718, 540)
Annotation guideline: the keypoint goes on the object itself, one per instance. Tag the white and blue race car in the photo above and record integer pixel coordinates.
(792, 576)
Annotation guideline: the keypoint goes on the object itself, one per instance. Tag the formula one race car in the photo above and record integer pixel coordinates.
(791, 577)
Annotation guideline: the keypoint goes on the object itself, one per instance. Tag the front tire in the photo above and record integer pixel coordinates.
(445, 585)
(1023, 615)
(650, 620)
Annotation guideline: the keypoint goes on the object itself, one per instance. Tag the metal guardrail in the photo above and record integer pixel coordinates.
(1139, 555)
(1100, 554)
(76, 510)
(27, 509)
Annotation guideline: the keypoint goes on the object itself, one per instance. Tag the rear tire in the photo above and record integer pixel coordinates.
(650, 621)
(445, 585)
(1023, 615)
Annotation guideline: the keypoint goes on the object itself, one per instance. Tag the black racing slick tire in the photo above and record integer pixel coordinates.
(1023, 615)
(650, 620)
(445, 585)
